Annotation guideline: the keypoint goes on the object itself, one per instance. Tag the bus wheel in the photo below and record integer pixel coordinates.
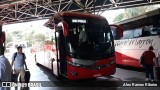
(58, 76)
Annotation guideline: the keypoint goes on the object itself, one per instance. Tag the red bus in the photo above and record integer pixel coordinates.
(82, 46)
(139, 33)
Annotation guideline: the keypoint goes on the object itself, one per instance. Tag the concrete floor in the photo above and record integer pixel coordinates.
(114, 82)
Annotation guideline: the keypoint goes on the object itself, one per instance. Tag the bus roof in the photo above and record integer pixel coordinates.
(59, 15)
(147, 14)
(78, 14)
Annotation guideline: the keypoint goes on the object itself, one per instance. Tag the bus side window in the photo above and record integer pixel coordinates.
(128, 34)
(137, 33)
(115, 34)
(146, 32)
(155, 31)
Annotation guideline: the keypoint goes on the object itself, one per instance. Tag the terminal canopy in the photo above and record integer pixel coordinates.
(17, 11)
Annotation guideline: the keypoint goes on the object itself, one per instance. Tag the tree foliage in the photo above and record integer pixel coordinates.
(17, 35)
(131, 12)
(29, 38)
(39, 38)
(9, 37)
(119, 17)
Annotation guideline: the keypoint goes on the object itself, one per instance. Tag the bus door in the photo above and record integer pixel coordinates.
(61, 52)
(117, 33)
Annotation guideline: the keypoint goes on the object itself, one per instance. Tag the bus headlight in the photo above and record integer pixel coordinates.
(74, 64)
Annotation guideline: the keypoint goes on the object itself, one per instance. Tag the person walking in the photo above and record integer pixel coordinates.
(5, 69)
(149, 60)
(18, 60)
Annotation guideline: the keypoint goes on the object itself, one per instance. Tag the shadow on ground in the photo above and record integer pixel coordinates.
(108, 81)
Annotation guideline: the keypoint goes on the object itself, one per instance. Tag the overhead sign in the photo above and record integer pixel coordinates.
(79, 21)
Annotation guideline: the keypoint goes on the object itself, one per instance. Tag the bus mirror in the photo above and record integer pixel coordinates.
(118, 28)
(65, 28)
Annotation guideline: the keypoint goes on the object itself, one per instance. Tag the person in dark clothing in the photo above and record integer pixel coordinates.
(5, 69)
(149, 59)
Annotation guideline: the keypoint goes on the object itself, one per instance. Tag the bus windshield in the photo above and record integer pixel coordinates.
(89, 38)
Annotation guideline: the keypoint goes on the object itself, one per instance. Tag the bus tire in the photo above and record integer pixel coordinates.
(58, 76)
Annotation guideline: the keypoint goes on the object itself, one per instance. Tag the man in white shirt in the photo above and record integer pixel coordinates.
(18, 59)
(5, 69)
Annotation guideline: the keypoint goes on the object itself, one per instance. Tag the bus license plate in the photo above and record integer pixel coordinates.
(96, 75)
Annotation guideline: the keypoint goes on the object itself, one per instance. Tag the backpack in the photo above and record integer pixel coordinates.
(23, 55)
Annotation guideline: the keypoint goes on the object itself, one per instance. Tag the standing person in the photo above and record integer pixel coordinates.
(149, 60)
(5, 68)
(157, 69)
(18, 59)
(158, 58)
